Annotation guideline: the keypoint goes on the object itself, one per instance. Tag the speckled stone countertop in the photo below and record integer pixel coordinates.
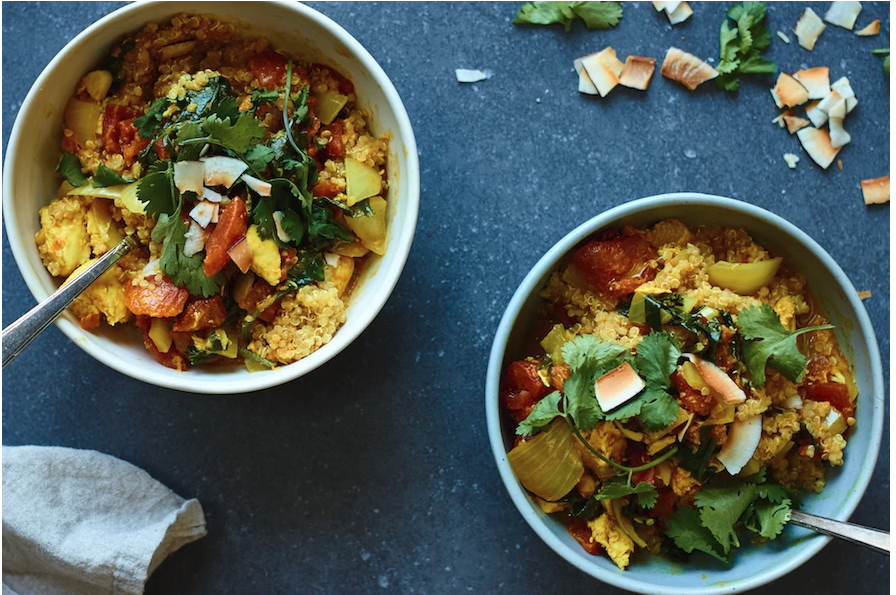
(373, 474)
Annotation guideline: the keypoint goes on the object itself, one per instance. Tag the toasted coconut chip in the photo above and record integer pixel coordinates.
(794, 123)
(839, 136)
(843, 13)
(687, 69)
(603, 68)
(680, 14)
(783, 37)
(864, 295)
(815, 115)
(667, 6)
(637, 72)
(789, 91)
(780, 119)
(838, 111)
(808, 29)
(777, 99)
(870, 30)
(791, 160)
(585, 84)
(464, 75)
(816, 80)
(817, 143)
(830, 101)
(875, 192)
(842, 87)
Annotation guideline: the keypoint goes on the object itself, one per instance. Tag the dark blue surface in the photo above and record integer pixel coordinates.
(374, 474)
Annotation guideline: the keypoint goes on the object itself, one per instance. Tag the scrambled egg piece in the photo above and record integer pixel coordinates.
(617, 544)
(608, 440)
(683, 483)
(265, 256)
(101, 228)
(63, 241)
(105, 297)
(551, 507)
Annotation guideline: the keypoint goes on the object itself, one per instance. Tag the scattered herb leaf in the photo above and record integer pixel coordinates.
(70, 167)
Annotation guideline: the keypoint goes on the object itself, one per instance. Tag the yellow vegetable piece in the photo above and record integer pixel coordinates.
(64, 189)
(548, 465)
(242, 286)
(361, 181)
(664, 470)
(330, 104)
(721, 414)
(352, 249)
(130, 201)
(371, 230)
(623, 523)
(81, 118)
(97, 84)
(160, 334)
(339, 273)
(553, 342)
(692, 376)
(109, 192)
(265, 256)
(101, 227)
(751, 468)
(744, 278)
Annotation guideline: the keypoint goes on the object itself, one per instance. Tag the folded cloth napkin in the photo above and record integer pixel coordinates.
(78, 522)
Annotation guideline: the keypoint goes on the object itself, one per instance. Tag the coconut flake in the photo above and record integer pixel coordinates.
(617, 386)
(780, 119)
(603, 69)
(259, 186)
(791, 160)
(469, 76)
(687, 69)
(789, 91)
(783, 37)
(637, 72)
(585, 84)
(817, 81)
(742, 442)
(223, 171)
(679, 14)
(216, 213)
(808, 29)
(839, 136)
(194, 239)
(278, 223)
(202, 213)
(777, 99)
(817, 143)
(842, 87)
(815, 115)
(667, 6)
(875, 192)
(794, 123)
(843, 13)
(870, 30)
(830, 101)
(189, 175)
(210, 195)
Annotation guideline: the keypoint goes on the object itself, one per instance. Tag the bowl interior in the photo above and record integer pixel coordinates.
(298, 31)
(755, 565)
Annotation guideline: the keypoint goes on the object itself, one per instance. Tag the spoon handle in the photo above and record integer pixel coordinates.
(871, 538)
(19, 334)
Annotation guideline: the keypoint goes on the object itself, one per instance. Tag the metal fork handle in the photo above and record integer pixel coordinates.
(19, 334)
(871, 538)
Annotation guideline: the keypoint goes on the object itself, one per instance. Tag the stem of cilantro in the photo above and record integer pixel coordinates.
(623, 468)
(287, 125)
(820, 327)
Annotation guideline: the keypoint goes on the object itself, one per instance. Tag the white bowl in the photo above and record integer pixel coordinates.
(753, 565)
(34, 148)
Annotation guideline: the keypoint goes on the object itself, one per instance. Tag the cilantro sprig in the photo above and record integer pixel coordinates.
(595, 15)
(106, 177)
(69, 167)
(769, 343)
(740, 48)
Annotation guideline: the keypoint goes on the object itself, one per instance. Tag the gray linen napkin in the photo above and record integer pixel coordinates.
(78, 522)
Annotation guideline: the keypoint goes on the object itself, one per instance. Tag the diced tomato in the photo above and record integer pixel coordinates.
(260, 290)
(344, 85)
(232, 225)
(803, 449)
(518, 415)
(335, 147)
(159, 299)
(69, 144)
(646, 476)
(162, 150)
(579, 531)
(288, 258)
(326, 188)
(114, 115)
(182, 340)
(90, 322)
(131, 143)
(523, 375)
(636, 455)
(269, 69)
(724, 359)
(174, 359)
(690, 398)
(616, 267)
(201, 314)
(835, 394)
(559, 374)
(312, 104)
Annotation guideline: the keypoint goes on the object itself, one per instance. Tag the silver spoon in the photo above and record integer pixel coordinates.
(871, 538)
(19, 334)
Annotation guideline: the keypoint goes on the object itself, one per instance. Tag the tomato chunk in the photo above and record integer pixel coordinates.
(113, 116)
(130, 142)
(158, 299)
(201, 314)
(162, 150)
(665, 504)
(523, 375)
(616, 267)
(260, 290)
(690, 398)
(269, 69)
(326, 188)
(335, 146)
(232, 225)
(835, 394)
(579, 531)
(174, 359)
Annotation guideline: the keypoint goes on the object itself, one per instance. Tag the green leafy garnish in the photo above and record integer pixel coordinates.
(256, 363)
(184, 271)
(196, 356)
(149, 123)
(659, 409)
(768, 519)
(264, 96)
(769, 343)
(657, 357)
(688, 533)
(697, 462)
(70, 167)
(588, 357)
(106, 177)
(740, 47)
(259, 157)
(237, 136)
(886, 54)
(595, 15)
(619, 488)
(157, 191)
(542, 414)
(721, 508)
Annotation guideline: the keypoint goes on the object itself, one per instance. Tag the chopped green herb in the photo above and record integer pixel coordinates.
(256, 363)
(149, 123)
(595, 15)
(886, 54)
(657, 357)
(619, 488)
(687, 531)
(70, 167)
(542, 414)
(184, 271)
(264, 97)
(157, 191)
(721, 508)
(740, 48)
(106, 177)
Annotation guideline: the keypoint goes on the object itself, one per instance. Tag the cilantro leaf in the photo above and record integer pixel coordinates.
(627, 410)
(659, 409)
(542, 414)
(184, 271)
(308, 269)
(728, 46)
(756, 64)
(769, 343)
(619, 488)
(587, 356)
(739, 48)
(106, 177)
(259, 157)
(264, 96)
(323, 231)
(293, 225)
(657, 356)
(697, 462)
(70, 167)
(595, 15)
(156, 190)
(720, 509)
(238, 136)
(149, 123)
(589, 352)
(688, 533)
(771, 517)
